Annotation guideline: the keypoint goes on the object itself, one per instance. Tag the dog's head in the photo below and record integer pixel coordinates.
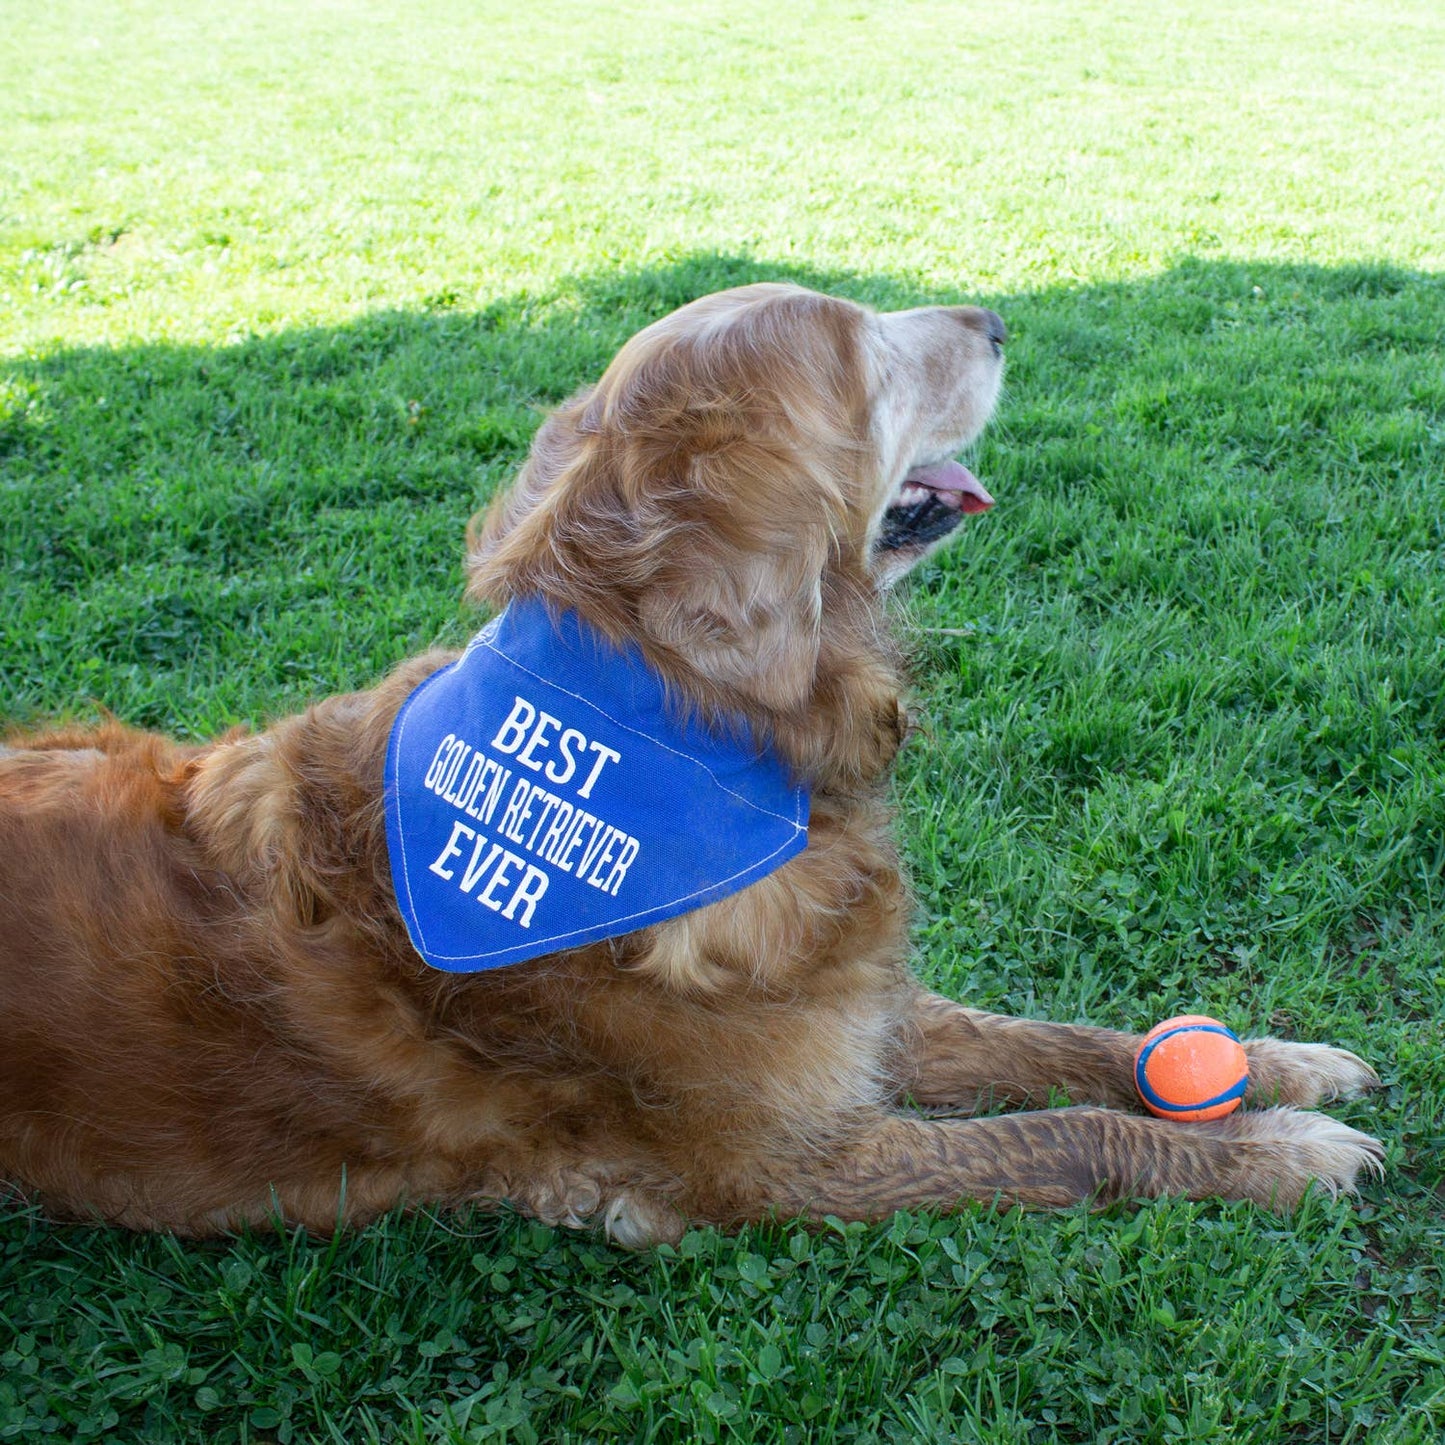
(739, 486)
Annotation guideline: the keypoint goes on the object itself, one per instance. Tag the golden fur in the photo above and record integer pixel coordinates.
(209, 1009)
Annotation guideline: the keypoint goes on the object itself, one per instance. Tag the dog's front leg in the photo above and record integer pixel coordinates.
(964, 1060)
(1058, 1157)
(967, 1061)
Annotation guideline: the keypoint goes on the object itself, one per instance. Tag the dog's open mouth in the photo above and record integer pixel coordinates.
(932, 501)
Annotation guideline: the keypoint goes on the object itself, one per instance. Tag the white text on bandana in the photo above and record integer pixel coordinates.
(539, 795)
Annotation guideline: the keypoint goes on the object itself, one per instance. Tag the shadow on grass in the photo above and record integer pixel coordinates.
(195, 534)
(259, 520)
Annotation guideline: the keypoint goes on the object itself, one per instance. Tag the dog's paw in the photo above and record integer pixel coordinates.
(1304, 1075)
(1289, 1152)
(637, 1219)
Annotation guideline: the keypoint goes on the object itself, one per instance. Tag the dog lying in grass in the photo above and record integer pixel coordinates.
(214, 1005)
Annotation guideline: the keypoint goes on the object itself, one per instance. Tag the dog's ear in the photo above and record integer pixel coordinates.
(690, 534)
(738, 590)
(706, 501)
(702, 486)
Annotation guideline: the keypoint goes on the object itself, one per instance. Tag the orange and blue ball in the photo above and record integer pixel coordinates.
(1191, 1067)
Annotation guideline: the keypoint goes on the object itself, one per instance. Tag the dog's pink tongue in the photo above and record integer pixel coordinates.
(955, 480)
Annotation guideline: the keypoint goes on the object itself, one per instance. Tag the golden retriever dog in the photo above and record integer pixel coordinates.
(212, 1013)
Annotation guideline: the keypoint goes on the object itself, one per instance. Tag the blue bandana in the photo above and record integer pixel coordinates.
(539, 796)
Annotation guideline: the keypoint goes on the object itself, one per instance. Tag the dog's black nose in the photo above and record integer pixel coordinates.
(990, 323)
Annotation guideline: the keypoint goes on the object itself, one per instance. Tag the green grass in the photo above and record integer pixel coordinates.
(283, 293)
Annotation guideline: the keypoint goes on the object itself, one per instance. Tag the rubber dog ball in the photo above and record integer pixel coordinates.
(1191, 1067)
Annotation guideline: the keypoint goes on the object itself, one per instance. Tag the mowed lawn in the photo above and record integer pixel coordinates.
(284, 291)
